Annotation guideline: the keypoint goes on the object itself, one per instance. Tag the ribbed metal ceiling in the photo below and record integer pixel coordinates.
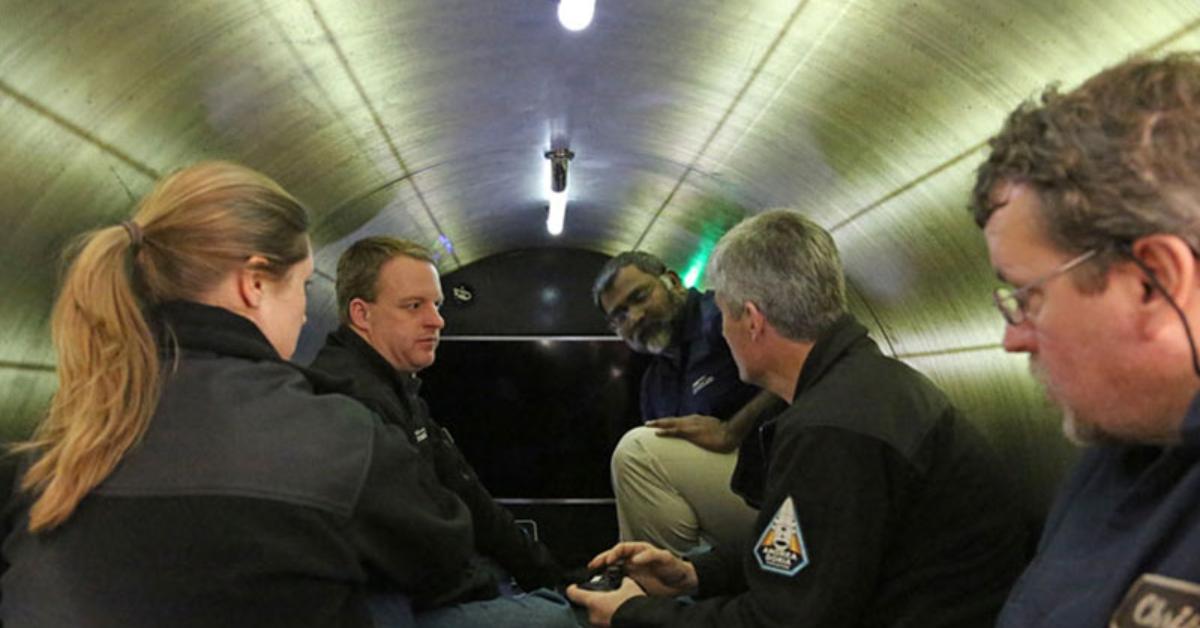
(428, 119)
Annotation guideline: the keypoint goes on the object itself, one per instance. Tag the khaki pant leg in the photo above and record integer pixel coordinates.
(674, 494)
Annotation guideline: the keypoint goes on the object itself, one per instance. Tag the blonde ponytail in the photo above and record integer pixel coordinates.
(195, 227)
(108, 373)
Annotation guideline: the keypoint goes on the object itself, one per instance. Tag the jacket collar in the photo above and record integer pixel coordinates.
(688, 328)
(348, 338)
(200, 327)
(831, 345)
(691, 324)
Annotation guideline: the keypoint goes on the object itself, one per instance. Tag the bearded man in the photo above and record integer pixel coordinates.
(676, 492)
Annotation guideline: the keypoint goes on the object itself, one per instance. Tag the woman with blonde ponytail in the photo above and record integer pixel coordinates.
(187, 474)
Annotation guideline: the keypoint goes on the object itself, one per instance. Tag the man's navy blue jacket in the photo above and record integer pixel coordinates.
(1127, 521)
(698, 375)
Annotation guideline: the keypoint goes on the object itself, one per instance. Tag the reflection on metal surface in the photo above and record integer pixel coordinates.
(720, 124)
(375, 118)
(76, 130)
(427, 120)
(956, 350)
(973, 153)
(25, 395)
(27, 366)
(920, 261)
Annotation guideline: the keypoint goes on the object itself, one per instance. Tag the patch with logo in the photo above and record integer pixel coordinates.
(420, 434)
(1159, 601)
(701, 382)
(781, 549)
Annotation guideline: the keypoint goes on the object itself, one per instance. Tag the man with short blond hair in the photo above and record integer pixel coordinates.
(360, 265)
(1090, 204)
(389, 296)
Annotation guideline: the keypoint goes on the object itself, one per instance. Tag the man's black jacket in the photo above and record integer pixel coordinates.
(882, 507)
(370, 379)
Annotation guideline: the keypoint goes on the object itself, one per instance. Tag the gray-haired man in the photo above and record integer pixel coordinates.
(882, 506)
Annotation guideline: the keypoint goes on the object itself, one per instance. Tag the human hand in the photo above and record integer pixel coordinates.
(703, 431)
(602, 605)
(659, 572)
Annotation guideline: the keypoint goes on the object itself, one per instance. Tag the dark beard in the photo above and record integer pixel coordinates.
(657, 335)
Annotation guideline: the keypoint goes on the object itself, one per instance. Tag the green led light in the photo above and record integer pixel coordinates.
(720, 216)
(692, 275)
(699, 262)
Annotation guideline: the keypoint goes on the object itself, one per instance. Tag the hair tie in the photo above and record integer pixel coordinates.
(134, 231)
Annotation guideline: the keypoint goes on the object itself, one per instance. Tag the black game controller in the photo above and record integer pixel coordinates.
(606, 579)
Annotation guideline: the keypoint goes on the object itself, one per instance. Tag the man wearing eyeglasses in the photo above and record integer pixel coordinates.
(672, 478)
(1089, 202)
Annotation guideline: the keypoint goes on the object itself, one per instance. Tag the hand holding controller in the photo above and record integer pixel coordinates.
(606, 579)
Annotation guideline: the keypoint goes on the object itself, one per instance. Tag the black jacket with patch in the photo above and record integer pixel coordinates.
(901, 514)
(394, 396)
(255, 499)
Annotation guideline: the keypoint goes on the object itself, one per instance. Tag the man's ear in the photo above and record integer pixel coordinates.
(758, 322)
(671, 279)
(1172, 262)
(1173, 266)
(251, 281)
(359, 314)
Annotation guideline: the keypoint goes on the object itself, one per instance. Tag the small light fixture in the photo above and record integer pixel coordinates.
(575, 15)
(559, 158)
(558, 213)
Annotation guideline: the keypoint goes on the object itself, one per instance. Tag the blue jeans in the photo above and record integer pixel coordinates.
(542, 608)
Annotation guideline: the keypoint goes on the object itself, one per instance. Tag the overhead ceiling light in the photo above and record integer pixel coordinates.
(575, 15)
(558, 213)
(557, 194)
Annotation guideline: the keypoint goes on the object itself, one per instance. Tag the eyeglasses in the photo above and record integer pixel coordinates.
(1013, 303)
